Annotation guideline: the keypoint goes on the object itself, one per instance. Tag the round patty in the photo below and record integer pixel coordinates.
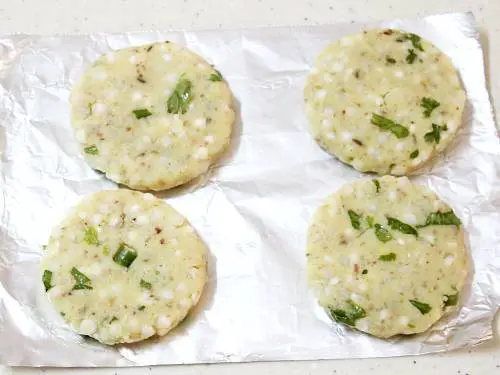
(384, 101)
(124, 266)
(152, 117)
(386, 256)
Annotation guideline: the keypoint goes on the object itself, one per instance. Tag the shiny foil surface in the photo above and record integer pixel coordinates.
(252, 209)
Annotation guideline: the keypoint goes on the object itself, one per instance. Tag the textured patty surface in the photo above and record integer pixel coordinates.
(152, 117)
(124, 266)
(384, 101)
(386, 256)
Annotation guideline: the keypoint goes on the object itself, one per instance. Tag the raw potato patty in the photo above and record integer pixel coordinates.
(124, 266)
(386, 256)
(152, 117)
(384, 101)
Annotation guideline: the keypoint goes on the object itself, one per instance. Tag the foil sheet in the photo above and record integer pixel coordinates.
(252, 209)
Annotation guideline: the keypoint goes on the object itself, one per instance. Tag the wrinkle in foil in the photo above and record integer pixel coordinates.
(252, 209)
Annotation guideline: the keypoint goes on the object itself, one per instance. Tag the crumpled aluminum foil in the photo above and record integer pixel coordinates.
(253, 209)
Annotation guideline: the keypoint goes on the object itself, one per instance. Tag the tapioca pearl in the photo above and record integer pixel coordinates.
(349, 232)
(347, 41)
(147, 331)
(110, 57)
(167, 295)
(372, 151)
(137, 95)
(201, 153)
(363, 324)
(358, 164)
(338, 67)
(99, 108)
(148, 197)
(200, 122)
(142, 220)
(202, 66)
(356, 297)
(379, 101)
(192, 273)
(186, 303)
(115, 329)
(451, 128)
(449, 260)
(181, 287)
(167, 57)
(351, 111)
(429, 238)
(346, 136)
(116, 288)
(331, 136)
(55, 292)
(416, 161)
(103, 293)
(451, 244)
(403, 320)
(384, 314)
(166, 141)
(163, 322)
(133, 324)
(96, 219)
(354, 258)
(400, 146)
(410, 218)
(398, 170)
(327, 78)
(178, 253)
(156, 214)
(133, 209)
(328, 112)
(132, 59)
(321, 94)
(399, 74)
(412, 128)
(114, 220)
(100, 75)
(95, 269)
(82, 215)
(167, 92)
(87, 327)
(333, 281)
(362, 287)
(172, 77)
(80, 135)
(327, 123)
(103, 209)
(372, 208)
(392, 195)
(383, 137)
(209, 139)
(328, 259)
(131, 236)
(401, 242)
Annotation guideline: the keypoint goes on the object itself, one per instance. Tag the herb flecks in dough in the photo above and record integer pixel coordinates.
(355, 219)
(377, 185)
(146, 285)
(387, 124)
(429, 105)
(424, 308)
(216, 77)
(179, 101)
(141, 113)
(435, 134)
(415, 40)
(350, 315)
(398, 225)
(90, 236)
(414, 154)
(47, 280)
(390, 257)
(411, 57)
(82, 281)
(441, 218)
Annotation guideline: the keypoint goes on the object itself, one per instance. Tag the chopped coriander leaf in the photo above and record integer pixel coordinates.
(435, 134)
(401, 227)
(382, 234)
(414, 154)
(370, 220)
(390, 60)
(82, 281)
(411, 57)
(141, 113)
(348, 316)
(180, 99)
(364, 272)
(377, 185)
(91, 150)
(441, 218)
(125, 255)
(390, 257)
(411, 325)
(355, 219)
(90, 236)
(451, 299)
(145, 284)
(429, 105)
(424, 308)
(105, 250)
(47, 280)
(113, 319)
(44, 247)
(386, 124)
(415, 40)
(63, 314)
(215, 77)
(141, 308)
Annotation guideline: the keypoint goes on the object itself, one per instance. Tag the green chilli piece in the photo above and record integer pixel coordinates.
(91, 150)
(415, 40)
(178, 102)
(144, 284)
(216, 77)
(395, 224)
(382, 234)
(141, 308)
(355, 219)
(435, 134)
(429, 105)
(370, 220)
(441, 218)
(82, 281)
(424, 308)
(390, 60)
(411, 57)
(451, 299)
(414, 154)
(141, 113)
(125, 255)
(349, 316)
(390, 257)
(47, 280)
(90, 236)
(377, 185)
(387, 124)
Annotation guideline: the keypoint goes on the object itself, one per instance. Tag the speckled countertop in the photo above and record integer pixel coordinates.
(61, 16)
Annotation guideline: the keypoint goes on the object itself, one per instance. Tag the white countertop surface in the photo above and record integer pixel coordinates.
(70, 16)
